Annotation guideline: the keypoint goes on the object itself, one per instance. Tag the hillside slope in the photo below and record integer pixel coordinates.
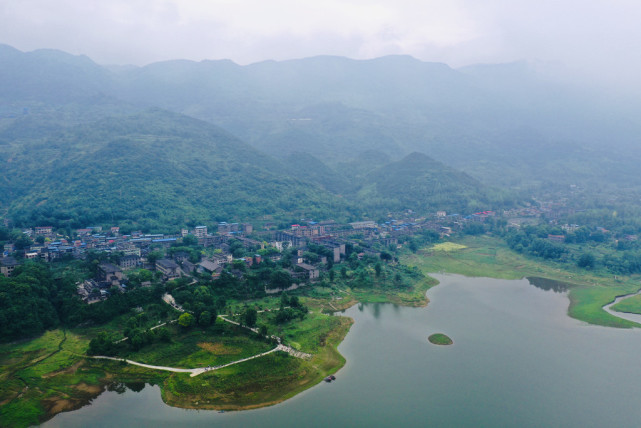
(152, 169)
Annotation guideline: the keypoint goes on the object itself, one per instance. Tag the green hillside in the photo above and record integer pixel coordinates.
(420, 183)
(152, 169)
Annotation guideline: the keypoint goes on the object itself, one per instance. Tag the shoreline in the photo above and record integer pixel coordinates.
(232, 388)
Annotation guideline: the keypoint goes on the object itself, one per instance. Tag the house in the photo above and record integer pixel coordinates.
(312, 272)
(31, 254)
(44, 230)
(208, 266)
(188, 267)
(169, 268)
(200, 231)
(181, 256)
(222, 259)
(7, 265)
(297, 258)
(165, 242)
(367, 224)
(129, 261)
(109, 274)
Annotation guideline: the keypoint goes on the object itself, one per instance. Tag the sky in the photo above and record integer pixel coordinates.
(600, 39)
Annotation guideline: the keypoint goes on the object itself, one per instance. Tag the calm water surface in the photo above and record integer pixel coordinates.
(517, 361)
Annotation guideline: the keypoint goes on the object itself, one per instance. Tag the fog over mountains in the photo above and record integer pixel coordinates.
(341, 133)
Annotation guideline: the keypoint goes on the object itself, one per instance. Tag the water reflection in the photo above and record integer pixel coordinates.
(377, 310)
(548, 284)
(135, 386)
(122, 387)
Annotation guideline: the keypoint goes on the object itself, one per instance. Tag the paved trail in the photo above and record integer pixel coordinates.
(200, 370)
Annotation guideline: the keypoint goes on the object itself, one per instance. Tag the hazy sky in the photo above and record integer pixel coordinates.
(602, 36)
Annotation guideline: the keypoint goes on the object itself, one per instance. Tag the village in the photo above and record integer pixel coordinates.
(233, 245)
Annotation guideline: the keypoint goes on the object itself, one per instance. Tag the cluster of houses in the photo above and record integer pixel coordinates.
(134, 248)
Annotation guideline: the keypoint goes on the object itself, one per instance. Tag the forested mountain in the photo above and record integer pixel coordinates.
(423, 184)
(82, 143)
(511, 118)
(152, 169)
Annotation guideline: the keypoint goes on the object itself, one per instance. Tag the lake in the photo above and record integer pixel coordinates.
(517, 361)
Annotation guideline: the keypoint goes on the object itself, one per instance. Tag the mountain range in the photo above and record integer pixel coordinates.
(182, 142)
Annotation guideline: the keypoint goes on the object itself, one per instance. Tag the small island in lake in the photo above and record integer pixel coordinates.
(440, 339)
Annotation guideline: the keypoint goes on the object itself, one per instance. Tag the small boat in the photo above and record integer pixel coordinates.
(328, 379)
(332, 377)
(221, 411)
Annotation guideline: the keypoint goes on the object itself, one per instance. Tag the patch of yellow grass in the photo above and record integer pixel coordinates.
(447, 247)
(219, 348)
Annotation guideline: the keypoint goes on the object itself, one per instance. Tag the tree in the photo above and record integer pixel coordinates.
(163, 334)
(101, 345)
(22, 242)
(263, 330)
(250, 317)
(205, 319)
(137, 342)
(377, 268)
(280, 279)
(186, 320)
(154, 256)
(586, 261)
(190, 240)
(284, 300)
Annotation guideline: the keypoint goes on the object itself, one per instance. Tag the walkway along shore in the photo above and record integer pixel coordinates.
(623, 315)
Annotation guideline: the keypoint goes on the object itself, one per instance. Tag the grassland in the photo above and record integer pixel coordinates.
(217, 345)
(447, 247)
(44, 376)
(486, 256)
(267, 380)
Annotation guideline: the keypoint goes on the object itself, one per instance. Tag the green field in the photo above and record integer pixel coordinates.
(197, 347)
(41, 377)
(267, 380)
(490, 257)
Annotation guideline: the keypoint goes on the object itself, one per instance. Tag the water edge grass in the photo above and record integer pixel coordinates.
(486, 256)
